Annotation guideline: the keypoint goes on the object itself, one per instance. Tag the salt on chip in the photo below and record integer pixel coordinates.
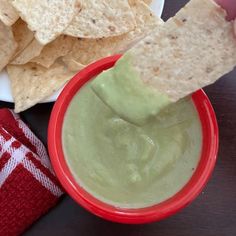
(32, 83)
(31, 51)
(148, 2)
(8, 45)
(191, 50)
(58, 48)
(47, 18)
(22, 35)
(86, 51)
(102, 18)
(8, 14)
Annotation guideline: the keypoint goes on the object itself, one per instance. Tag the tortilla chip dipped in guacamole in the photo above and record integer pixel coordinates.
(161, 68)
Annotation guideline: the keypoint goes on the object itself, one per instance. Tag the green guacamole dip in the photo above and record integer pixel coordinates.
(122, 89)
(126, 165)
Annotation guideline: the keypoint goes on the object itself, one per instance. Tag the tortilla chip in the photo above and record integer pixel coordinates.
(32, 83)
(102, 18)
(72, 65)
(8, 14)
(59, 47)
(191, 50)
(22, 35)
(8, 45)
(31, 51)
(86, 51)
(47, 18)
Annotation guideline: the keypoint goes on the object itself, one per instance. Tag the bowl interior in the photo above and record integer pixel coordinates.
(144, 215)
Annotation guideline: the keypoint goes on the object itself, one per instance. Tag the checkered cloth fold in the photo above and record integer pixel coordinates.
(28, 186)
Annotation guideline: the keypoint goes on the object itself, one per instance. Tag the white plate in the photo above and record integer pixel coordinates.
(5, 90)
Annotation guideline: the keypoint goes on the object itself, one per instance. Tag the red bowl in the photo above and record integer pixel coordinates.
(131, 216)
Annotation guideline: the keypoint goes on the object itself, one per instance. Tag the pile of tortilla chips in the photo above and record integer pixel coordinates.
(44, 43)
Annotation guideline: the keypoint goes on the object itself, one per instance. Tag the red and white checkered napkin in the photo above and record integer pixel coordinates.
(28, 186)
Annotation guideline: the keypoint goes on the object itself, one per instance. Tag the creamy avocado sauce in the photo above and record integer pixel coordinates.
(121, 88)
(127, 165)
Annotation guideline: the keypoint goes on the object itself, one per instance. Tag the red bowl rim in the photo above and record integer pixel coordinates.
(132, 216)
